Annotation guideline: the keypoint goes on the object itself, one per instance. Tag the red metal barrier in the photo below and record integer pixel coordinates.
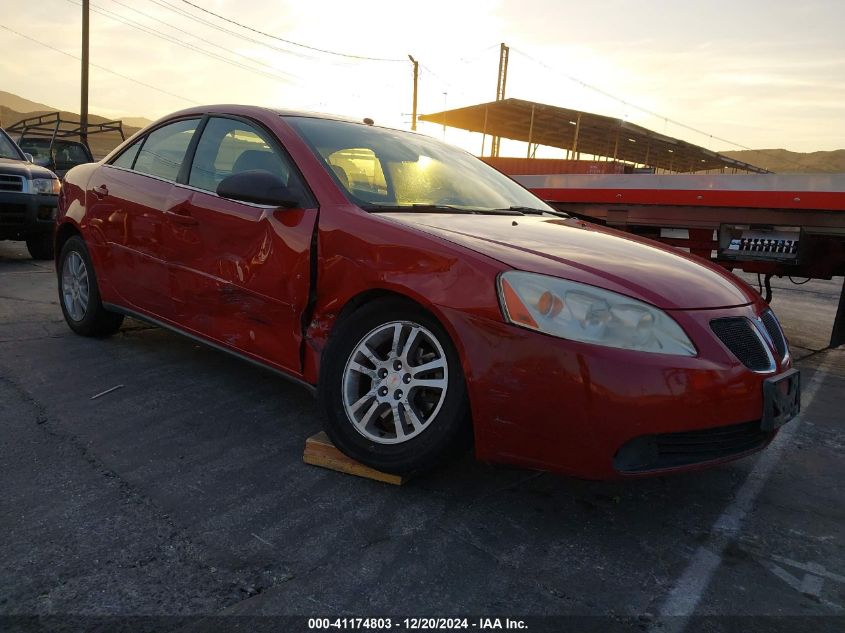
(712, 215)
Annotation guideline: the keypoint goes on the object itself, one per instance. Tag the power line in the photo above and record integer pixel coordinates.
(99, 67)
(199, 20)
(444, 83)
(624, 102)
(300, 54)
(281, 39)
(155, 33)
(176, 28)
(656, 114)
(275, 75)
(477, 56)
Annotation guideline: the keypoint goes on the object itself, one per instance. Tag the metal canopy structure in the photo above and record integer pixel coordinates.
(53, 126)
(585, 133)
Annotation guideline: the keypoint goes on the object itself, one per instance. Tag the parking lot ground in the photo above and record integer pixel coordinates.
(183, 495)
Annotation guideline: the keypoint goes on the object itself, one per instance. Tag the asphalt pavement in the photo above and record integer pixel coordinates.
(179, 501)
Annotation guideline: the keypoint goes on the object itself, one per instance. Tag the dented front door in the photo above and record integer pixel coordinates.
(240, 274)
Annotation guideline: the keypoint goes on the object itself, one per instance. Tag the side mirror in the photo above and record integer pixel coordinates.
(29, 157)
(258, 187)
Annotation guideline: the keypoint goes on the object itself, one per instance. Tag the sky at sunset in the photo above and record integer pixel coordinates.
(757, 74)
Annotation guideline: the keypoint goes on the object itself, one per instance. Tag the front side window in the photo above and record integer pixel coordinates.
(379, 167)
(164, 149)
(229, 146)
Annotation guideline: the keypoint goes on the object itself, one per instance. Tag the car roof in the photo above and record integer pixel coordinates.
(247, 110)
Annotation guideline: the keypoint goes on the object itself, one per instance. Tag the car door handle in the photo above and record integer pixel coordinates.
(101, 192)
(178, 215)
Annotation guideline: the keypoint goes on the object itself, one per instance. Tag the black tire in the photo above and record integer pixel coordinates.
(40, 245)
(96, 320)
(447, 432)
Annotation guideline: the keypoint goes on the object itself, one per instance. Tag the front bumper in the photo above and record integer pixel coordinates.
(547, 403)
(25, 214)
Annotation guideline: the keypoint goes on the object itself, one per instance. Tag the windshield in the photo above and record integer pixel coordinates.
(386, 168)
(8, 148)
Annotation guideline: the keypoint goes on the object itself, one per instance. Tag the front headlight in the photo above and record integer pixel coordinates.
(49, 186)
(589, 314)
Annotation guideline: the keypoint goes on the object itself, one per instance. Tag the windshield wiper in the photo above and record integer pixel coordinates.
(439, 208)
(532, 211)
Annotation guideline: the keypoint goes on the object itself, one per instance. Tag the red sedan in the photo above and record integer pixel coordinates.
(429, 298)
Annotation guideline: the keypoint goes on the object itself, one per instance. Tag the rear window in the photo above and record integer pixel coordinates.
(68, 155)
(65, 154)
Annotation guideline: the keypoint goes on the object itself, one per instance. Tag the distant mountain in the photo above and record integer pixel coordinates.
(14, 108)
(19, 104)
(136, 121)
(785, 162)
(100, 144)
(9, 116)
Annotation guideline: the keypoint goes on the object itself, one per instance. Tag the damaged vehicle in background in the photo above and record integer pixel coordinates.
(429, 298)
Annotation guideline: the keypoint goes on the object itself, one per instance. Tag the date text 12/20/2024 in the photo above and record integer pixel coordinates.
(416, 624)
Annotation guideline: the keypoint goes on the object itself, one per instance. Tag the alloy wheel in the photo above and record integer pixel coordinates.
(395, 382)
(75, 286)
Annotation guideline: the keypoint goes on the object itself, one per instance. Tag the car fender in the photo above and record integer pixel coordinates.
(392, 260)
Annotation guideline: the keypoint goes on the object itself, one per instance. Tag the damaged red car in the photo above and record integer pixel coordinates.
(429, 299)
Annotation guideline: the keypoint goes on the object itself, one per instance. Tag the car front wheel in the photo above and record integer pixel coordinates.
(392, 389)
(79, 295)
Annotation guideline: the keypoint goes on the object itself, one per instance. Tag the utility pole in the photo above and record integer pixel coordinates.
(416, 79)
(83, 108)
(500, 89)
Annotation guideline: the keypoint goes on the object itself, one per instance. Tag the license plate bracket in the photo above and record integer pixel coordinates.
(781, 399)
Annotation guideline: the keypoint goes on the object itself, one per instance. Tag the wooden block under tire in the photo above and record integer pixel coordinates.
(319, 451)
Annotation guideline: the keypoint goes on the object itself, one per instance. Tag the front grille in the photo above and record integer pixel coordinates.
(12, 214)
(11, 183)
(739, 336)
(673, 450)
(770, 321)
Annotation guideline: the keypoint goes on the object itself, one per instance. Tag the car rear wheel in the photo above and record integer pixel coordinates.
(79, 295)
(392, 389)
(40, 245)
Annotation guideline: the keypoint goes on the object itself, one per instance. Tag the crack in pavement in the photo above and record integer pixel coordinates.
(248, 584)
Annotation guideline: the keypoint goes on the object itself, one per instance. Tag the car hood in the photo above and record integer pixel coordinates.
(590, 254)
(23, 168)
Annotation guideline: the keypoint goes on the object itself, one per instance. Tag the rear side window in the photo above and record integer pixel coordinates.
(127, 157)
(229, 146)
(164, 149)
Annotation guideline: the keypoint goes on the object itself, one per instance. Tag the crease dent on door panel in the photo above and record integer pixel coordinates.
(241, 275)
(236, 294)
